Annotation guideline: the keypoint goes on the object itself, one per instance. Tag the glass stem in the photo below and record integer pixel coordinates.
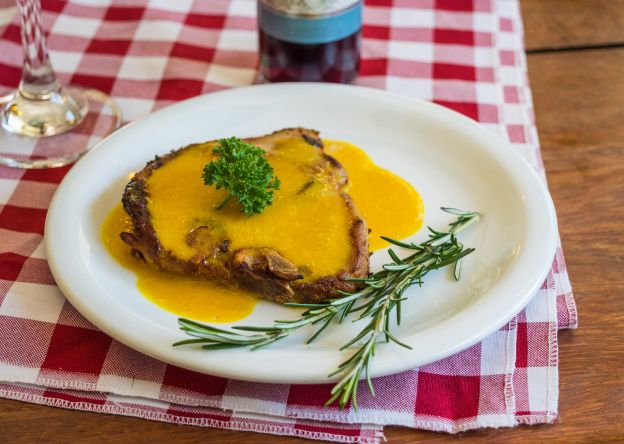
(38, 79)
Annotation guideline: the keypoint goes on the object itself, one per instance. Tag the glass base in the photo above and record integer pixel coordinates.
(59, 112)
(55, 132)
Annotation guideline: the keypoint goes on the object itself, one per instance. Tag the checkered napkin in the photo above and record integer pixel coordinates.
(466, 55)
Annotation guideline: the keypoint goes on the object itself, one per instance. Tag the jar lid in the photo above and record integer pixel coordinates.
(309, 7)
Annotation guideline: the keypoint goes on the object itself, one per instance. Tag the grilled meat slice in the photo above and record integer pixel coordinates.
(210, 248)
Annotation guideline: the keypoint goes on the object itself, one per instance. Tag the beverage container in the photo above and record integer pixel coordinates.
(309, 40)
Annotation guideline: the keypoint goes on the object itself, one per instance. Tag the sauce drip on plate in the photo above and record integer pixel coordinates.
(388, 203)
(189, 298)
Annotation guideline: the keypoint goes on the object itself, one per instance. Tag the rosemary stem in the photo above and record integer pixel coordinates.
(382, 292)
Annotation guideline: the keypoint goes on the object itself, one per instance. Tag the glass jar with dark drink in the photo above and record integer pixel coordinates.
(309, 40)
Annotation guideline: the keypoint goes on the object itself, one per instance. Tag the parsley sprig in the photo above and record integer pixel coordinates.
(242, 170)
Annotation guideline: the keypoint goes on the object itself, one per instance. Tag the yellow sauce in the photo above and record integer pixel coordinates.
(189, 298)
(390, 205)
(311, 232)
(309, 229)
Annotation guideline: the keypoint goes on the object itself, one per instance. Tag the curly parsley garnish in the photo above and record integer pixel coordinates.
(244, 172)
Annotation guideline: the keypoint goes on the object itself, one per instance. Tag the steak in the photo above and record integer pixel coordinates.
(260, 268)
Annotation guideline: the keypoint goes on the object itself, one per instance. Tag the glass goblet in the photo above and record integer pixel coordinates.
(44, 124)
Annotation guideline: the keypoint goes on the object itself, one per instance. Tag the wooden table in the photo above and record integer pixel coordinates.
(576, 66)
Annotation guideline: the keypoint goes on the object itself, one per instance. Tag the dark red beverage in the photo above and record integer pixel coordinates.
(282, 61)
(309, 48)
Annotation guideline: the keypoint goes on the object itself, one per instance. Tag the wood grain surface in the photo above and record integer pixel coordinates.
(579, 102)
(565, 24)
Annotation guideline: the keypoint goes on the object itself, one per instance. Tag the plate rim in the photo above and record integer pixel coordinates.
(106, 326)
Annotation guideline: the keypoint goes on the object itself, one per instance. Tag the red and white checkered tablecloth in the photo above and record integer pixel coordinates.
(466, 55)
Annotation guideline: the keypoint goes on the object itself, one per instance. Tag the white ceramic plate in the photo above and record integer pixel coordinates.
(448, 158)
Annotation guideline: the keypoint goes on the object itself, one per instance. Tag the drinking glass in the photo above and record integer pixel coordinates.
(44, 124)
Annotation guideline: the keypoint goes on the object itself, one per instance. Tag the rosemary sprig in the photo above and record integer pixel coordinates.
(381, 294)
